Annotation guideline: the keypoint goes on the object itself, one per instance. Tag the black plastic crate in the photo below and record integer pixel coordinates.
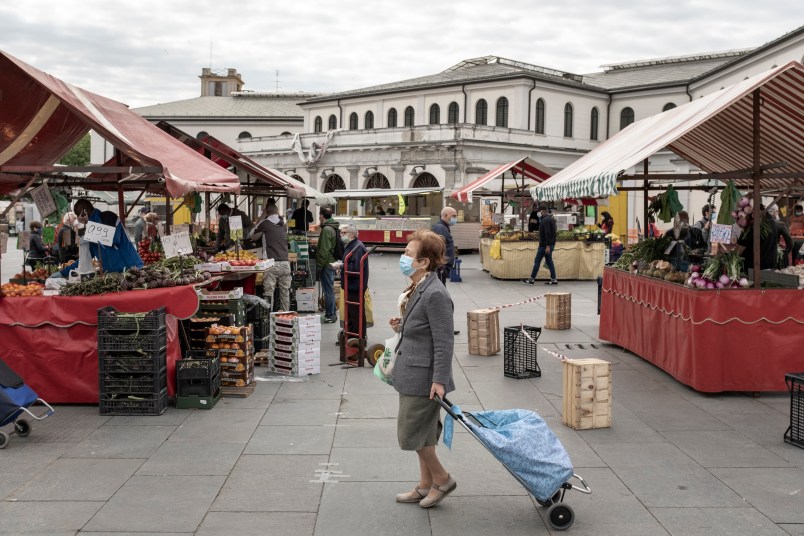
(198, 386)
(795, 432)
(132, 384)
(197, 368)
(110, 318)
(144, 342)
(261, 344)
(137, 405)
(519, 352)
(132, 364)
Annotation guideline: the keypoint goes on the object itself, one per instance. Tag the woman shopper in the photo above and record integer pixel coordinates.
(607, 223)
(423, 367)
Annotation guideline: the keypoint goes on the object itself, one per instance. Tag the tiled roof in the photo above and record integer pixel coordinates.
(240, 106)
(653, 74)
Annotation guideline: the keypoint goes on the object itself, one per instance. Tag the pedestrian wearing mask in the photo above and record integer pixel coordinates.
(547, 242)
(423, 365)
(324, 257)
(449, 217)
(274, 234)
(356, 287)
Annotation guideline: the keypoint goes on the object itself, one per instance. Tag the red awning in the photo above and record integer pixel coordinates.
(526, 167)
(226, 156)
(42, 118)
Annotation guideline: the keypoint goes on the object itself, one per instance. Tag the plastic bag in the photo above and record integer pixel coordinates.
(384, 367)
(495, 251)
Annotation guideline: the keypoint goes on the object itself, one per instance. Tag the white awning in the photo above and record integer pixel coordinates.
(382, 192)
(526, 167)
(321, 199)
(713, 132)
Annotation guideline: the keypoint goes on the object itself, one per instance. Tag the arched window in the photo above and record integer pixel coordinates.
(452, 113)
(318, 124)
(334, 182)
(502, 112)
(594, 124)
(333, 122)
(626, 117)
(294, 176)
(286, 133)
(668, 106)
(201, 135)
(539, 116)
(369, 122)
(378, 180)
(245, 135)
(435, 114)
(425, 180)
(481, 112)
(353, 121)
(410, 116)
(568, 120)
(392, 118)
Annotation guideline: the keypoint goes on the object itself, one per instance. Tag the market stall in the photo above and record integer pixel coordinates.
(573, 259)
(708, 326)
(52, 341)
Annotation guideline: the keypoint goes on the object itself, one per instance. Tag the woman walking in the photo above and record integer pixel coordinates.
(423, 367)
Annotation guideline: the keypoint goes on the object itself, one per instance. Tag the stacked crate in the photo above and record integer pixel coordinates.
(295, 344)
(198, 383)
(258, 317)
(132, 362)
(221, 303)
(234, 347)
(484, 331)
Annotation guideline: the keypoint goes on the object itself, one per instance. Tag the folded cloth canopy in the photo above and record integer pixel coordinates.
(526, 167)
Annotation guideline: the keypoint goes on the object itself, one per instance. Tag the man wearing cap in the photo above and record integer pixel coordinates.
(274, 235)
(139, 226)
(547, 242)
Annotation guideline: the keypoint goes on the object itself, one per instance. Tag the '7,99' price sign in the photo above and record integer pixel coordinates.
(99, 233)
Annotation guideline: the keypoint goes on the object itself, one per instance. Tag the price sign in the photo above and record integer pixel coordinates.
(177, 244)
(235, 223)
(44, 201)
(99, 233)
(3, 243)
(720, 234)
(589, 220)
(24, 240)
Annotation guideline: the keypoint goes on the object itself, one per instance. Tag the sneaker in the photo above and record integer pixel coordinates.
(529, 281)
(329, 319)
(551, 282)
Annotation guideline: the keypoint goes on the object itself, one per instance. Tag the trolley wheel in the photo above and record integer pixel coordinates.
(375, 353)
(561, 516)
(3, 440)
(23, 428)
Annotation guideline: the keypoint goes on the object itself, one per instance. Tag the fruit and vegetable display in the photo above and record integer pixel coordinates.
(722, 271)
(797, 270)
(645, 251)
(15, 290)
(171, 272)
(244, 258)
(150, 251)
(40, 274)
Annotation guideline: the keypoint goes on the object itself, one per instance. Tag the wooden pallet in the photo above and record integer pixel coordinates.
(261, 358)
(237, 392)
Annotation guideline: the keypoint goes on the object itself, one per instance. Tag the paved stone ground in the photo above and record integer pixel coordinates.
(319, 457)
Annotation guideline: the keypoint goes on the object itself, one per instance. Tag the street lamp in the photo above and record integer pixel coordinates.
(324, 173)
(366, 173)
(414, 173)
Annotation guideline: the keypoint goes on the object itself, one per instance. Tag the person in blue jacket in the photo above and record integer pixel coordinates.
(118, 257)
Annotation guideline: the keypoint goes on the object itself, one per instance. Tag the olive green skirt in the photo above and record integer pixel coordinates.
(418, 424)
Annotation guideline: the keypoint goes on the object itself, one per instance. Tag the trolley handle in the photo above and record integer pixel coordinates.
(447, 405)
(585, 489)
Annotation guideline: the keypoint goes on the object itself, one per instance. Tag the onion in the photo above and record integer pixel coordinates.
(635, 265)
(695, 275)
(743, 282)
(710, 285)
(700, 283)
(743, 202)
(719, 285)
(734, 214)
(695, 268)
(724, 280)
(748, 209)
(689, 282)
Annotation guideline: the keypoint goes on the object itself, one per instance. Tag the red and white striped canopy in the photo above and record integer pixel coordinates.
(524, 166)
(714, 132)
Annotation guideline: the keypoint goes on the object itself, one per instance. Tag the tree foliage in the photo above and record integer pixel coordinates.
(78, 155)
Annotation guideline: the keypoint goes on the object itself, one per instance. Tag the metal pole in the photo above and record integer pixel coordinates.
(645, 199)
(206, 209)
(758, 214)
(121, 203)
(168, 213)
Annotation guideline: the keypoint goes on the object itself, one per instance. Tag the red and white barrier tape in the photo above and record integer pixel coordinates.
(529, 300)
(542, 348)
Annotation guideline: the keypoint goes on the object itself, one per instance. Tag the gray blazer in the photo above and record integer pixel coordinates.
(424, 353)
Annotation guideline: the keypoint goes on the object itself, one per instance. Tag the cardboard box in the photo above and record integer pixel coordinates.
(587, 394)
(484, 331)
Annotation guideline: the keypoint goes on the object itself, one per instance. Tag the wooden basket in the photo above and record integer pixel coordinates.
(559, 307)
(587, 394)
(484, 331)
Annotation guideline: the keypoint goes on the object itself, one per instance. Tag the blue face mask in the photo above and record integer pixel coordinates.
(453, 220)
(406, 265)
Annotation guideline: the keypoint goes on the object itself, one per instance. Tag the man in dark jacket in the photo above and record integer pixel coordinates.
(354, 288)
(324, 257)
(449, 217)
(225, 212)
(274, 235)
(768, 243)
(547, 242)
(302, 218)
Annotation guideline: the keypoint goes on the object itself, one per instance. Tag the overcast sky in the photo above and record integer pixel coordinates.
(144, 52)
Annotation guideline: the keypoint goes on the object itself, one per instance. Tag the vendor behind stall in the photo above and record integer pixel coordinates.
(118, 257)
(768, 243)
(797, 230)
(224, 235)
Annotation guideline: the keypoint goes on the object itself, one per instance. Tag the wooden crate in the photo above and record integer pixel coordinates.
(484, 331)
(559, 310)
(587, 394)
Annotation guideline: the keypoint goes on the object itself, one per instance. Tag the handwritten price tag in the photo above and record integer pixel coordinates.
(44, 201)
(235, 223)
(720, 234)
(177, 244)
(99, 233)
